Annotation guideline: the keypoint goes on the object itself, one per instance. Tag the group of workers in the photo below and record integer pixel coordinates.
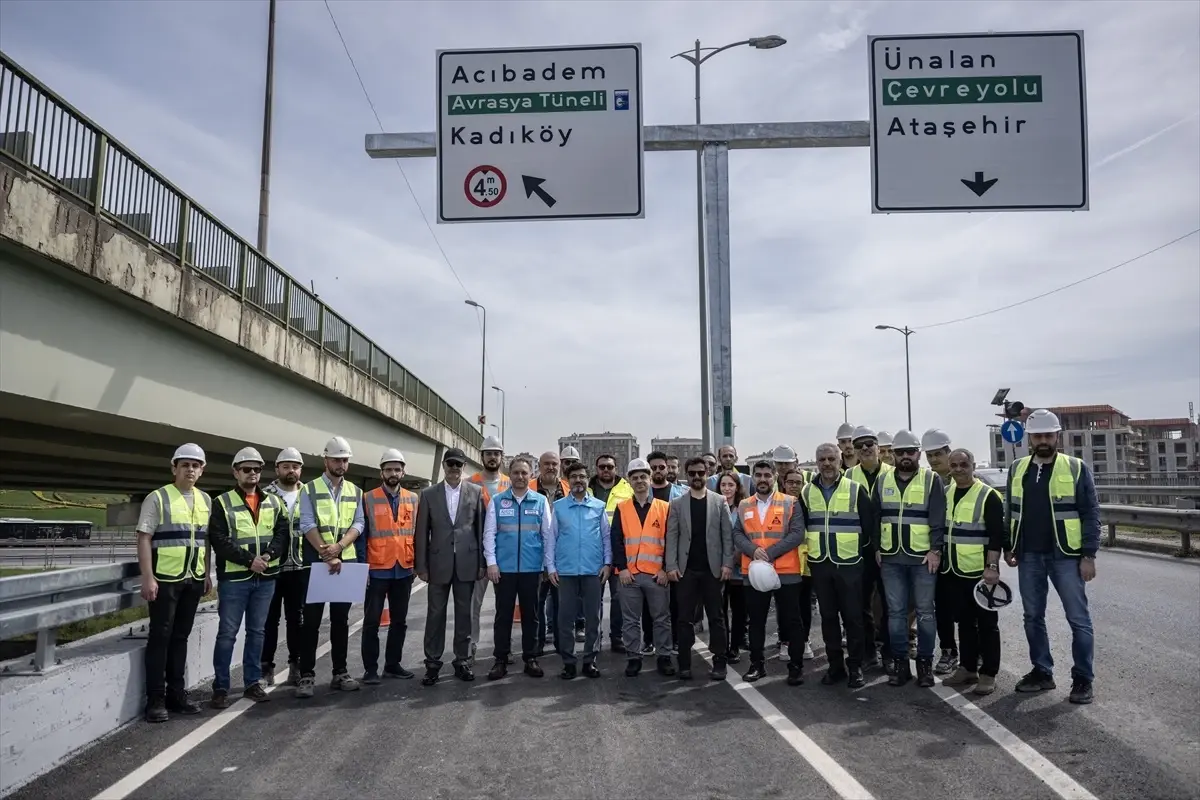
(878, 542)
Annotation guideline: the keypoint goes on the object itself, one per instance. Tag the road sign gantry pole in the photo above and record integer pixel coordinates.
(714, 143)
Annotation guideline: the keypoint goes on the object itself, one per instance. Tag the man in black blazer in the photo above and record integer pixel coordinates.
(449, 557)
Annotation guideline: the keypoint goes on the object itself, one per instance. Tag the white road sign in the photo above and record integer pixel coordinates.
(978, 122)
(540, 133)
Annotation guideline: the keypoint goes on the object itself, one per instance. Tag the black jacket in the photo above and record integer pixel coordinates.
(222, 541)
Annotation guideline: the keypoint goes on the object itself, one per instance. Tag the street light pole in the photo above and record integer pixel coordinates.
(845, 404)
(264, 188)
(482, 366)
(696, 57)
(907, 372)
(503, 411)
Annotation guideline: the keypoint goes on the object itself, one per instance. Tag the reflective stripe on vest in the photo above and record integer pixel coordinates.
(834, 531)
(505, 485)
(770, 531)
(334, 519)
(179, 540)
(966, 535)
(391, 535)
(905, 514)
(247, 534)
(645, 543)
(1068, 530)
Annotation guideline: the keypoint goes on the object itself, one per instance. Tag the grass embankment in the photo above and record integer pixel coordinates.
(25, 645)
(58, 505)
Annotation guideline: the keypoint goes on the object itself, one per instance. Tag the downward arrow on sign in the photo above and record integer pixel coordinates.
(979, 186)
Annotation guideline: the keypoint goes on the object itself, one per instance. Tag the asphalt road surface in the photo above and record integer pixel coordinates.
(656, 737)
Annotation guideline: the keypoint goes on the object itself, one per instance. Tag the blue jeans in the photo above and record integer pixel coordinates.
(899, 581)
(237, 599)
(1035, 571)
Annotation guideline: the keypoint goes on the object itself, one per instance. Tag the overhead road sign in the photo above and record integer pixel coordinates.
(1012, 431)
(978, 122)
(540, 133)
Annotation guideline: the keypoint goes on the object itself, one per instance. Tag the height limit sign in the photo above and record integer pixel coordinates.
(540, 133)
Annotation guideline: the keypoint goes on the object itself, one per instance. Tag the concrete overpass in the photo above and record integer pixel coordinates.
(117, 342)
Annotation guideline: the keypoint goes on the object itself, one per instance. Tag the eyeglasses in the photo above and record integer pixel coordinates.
(606, 466)
(696, 473)
(250, 470)
(906, 451)
(867, 445)
(454, 465)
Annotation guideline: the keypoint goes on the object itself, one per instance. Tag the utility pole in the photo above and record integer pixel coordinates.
(264, 190)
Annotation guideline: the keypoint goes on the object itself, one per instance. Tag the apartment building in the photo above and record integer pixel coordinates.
(1166, 446)
(621, 446)
(681, 447)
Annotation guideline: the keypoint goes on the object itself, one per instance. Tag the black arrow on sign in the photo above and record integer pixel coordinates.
(979, 186)
(534, 186)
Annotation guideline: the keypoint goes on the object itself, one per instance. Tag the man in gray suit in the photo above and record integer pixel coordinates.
(699, 567)
(448, 541)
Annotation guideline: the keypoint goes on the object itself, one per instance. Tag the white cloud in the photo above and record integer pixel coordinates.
(593, 325)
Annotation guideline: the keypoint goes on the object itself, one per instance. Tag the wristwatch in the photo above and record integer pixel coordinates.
(994, 566)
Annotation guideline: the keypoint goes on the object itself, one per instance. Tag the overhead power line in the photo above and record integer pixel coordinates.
(1063, 287)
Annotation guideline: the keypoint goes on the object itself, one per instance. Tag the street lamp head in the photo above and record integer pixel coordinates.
(882, 327)
(767, 42)
(497, 388)
(472, 303)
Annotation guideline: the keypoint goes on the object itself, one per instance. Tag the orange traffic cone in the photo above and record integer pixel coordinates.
(386, 617)
(517, 614)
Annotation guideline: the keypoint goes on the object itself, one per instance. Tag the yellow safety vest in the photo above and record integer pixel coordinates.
(179, 540)
(859, 475)
(621, 490)
(1068, 530)
(834, 530)
(334, 519)
(904, 519)
(246, 533)
(966, 536)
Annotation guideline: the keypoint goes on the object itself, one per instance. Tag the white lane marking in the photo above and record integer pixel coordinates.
(834, 774)
(1060, 782)
(136, 779)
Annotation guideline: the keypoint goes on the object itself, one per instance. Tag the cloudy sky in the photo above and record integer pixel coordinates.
(592, 325)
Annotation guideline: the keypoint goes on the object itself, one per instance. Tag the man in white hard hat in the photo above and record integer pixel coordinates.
(974, 540)
(567, 458)
(291, 585)
(912, 527)
(639, 546)
(865, 473)
(936, 444)
(331, 520)
(449, 557)
(389, 520)
(840, 525)
(174, 557)
(885, 448)
(493, 482)
(763, 531)
(1053, 523)
(845, 440)
(248, 532)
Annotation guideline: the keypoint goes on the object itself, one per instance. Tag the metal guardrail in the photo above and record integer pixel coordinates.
(45, 134)
(1184, 521)
(1154, 480)
(45, 601)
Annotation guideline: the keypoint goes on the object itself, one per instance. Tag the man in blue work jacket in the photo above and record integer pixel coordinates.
(515, 529)
(578, 560)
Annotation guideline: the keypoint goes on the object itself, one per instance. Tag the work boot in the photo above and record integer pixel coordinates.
(632, 667)
(431, 676)
(180, 703)
(617, 647)
(156, 709)
(464, 672)
(397, 671)
(343, 682)
(986, 684)
(901, 672)
(925, 672)
(733, 656)
(590, 670)
(256, 692)
(1036, 681)
(961, 677)
(946, 663)
(835, 674)
(533, 669)
(756, 672)
(795, 675)
(856, 679)
(371, 678)
(1081, 692)
(665, 667)
(293, 678)
(268, 673)
(220, 700)
(499, 670)
(568, 672)
(717, 673)
(306, 686)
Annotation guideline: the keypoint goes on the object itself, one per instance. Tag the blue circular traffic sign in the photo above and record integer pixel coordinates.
(1012, 431)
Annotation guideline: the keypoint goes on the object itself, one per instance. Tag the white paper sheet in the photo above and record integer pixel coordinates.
(348, 586)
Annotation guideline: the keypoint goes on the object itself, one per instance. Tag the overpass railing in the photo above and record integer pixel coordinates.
(1184, 521)
(43, 602)
(45, 134)
(1156, 480)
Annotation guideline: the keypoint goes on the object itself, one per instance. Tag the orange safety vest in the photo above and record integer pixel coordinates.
(645, 543)
(566, 487)
(505, 485)
(770, 531)
(391, 538)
